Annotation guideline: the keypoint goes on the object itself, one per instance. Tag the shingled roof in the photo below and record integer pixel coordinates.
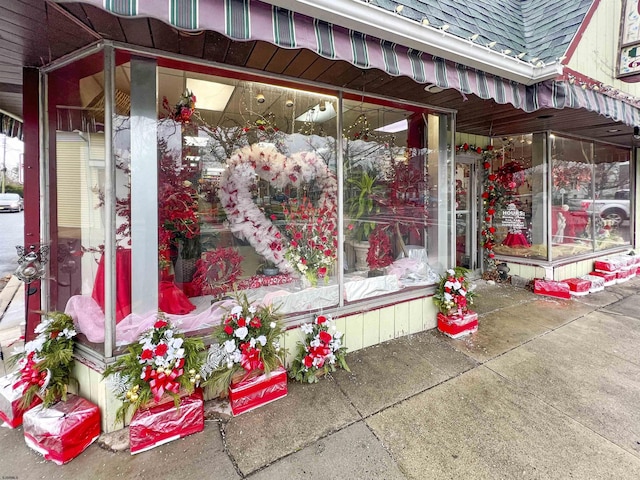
(540, 28)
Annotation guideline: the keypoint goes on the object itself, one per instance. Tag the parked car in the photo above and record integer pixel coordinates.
(11, 202)
(616, 209)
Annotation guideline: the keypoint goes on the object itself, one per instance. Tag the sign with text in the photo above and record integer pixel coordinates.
(513, 218)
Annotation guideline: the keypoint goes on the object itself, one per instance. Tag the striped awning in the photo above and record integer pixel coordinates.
(254, 20)
(10, 127)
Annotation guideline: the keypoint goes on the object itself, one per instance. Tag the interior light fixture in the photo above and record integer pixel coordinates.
(260, 98)
(211, 95)
(399, 126)
(433, 88)
(636, 133)
(289, 103)
(317, 115)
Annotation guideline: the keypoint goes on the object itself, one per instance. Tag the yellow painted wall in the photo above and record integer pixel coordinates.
(597, 53)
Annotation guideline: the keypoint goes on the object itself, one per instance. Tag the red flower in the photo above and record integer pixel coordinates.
(54, 334)
(228, 329)
(489, 147)
(161, 349)
(320, 319)
(325, 337)
(322, 271)
(160, 323)
(308, 361)
(486, 165)
(493, 177)
(242, 322)
(479, 150)
(492, 229)
(491, 211)
(146, 354)
(465, 147)
(491, 255)
(255, 322)
(485, 194)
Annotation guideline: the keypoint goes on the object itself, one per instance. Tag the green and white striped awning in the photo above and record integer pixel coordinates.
(254, 20)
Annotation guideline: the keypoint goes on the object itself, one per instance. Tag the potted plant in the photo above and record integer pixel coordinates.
(363, 201)
(453, 297)
(379, 255)
(248, 358)
(268, 268)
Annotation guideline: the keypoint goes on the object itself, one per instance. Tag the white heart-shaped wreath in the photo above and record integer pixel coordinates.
(246, 220)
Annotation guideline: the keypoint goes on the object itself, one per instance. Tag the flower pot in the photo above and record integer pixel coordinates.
(185, 268)
(270, 271)
(361, 249)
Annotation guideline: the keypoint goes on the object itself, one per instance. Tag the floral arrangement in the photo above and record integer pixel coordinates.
(163, 361)
(379, 253)
(248, 340)
(184, 109)
(453, 295)
(313, 234)
(246, 220)
(490, 197)
(217, 271)
(44, 367)
(257, 281)
(321, 351)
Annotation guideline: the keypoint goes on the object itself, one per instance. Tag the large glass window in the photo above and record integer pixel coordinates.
(224, 185)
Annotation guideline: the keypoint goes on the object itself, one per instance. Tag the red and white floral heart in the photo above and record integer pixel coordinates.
(246, 220)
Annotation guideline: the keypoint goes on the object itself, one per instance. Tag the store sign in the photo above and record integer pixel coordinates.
(629, 60)
(512, 218)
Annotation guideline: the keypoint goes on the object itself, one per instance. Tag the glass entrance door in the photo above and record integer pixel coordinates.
(466, 208)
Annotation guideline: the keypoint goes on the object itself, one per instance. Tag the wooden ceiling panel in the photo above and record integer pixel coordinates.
(239, 53)
(317, 68)
(192, 44)
(137, 32)
(215, 46)
(281, 59)
(302, 61)
(164, 37)
(261, 55)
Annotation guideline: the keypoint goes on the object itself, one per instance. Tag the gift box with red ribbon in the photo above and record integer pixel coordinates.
(252, 393)
(551, 288)
(161, 422)
(597, 282)
(458, 325)
(578, 286)
(609, 277)
(64, 430)
(10, 398)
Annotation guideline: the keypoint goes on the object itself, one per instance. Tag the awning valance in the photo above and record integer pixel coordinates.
(244, 20)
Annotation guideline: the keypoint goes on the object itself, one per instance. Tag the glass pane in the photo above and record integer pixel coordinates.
(389, 195)
(76, 123)
(247, 193)
(517, 174)
(464, 213)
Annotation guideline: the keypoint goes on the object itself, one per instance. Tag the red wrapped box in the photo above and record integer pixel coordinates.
(612, 264)
(624, 274)
(578, 286)
(551, 288)
(64, 430)
(252, 393)
(161, 422)
(597, 283)
(609, 277)
(10, 411)
(456, 326)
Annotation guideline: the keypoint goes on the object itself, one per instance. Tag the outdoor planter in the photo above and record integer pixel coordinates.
(551, 288)
(10, 398)
(456, 326)
(252, 393)
(64, 430)
(160, 422)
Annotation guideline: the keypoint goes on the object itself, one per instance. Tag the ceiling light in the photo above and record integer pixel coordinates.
(260, 98)
(613, 130)
(289, 103)
(317, 115)
(211, 95)
(433, 88)
(395, 127)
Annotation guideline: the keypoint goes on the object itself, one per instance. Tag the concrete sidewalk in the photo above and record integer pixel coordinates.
(546, 389)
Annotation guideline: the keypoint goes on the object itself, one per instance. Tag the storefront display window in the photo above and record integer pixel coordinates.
(224, 185)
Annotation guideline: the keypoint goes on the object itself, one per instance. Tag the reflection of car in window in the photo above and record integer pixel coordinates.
(280, 198)
(616, 209)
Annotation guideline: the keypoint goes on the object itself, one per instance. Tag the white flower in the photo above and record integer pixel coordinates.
(306, 328)
(456, 285)
(462, 292)
(302, 267)
(272, 325)
(448, 297)
(262, 340)
(337, 335)
(252, 342)
(177, 342)
(42, 326)
(237, 310)
(252, 309)
(448, 284)
(229, 365)
(241, 333)
(229, 346)
(69, 333)
(315, 342)
(451, 271)
(331, 358)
